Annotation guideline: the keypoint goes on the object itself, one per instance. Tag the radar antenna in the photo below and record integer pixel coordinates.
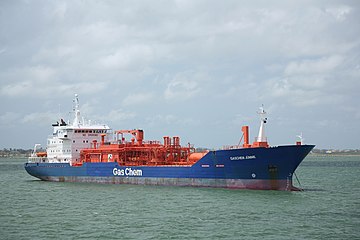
(76, 111)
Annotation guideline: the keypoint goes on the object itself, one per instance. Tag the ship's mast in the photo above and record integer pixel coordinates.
(76, 111)
(301, 138)
(263, 119)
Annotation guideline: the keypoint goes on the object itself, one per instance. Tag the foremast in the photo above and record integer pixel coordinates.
(261, 139)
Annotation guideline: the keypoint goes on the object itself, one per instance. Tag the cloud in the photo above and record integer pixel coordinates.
(170, 119)
(9, 118)
(39, 118)
(137, 99)
(340, 13)
(313, 82)
(302, 91)
(16, 89)
(181, 89)
(3, 50)
(44, 81)
(127, 57)
(119, 115)
(39, 90)
(141, 62)
(186, 85)
(57, 10)
(161, 119)
(59, 53)
(321, 65)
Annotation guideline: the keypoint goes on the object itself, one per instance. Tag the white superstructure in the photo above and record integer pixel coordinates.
(261, 136)
(67, 140)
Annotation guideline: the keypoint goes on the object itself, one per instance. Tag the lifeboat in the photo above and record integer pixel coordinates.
(41, 154)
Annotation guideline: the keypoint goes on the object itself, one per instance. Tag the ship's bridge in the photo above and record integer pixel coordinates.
(67, 139)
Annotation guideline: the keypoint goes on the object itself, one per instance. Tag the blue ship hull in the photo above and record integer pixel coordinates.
(248, 168)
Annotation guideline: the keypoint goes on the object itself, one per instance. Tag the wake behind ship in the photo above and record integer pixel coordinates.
(84, 152)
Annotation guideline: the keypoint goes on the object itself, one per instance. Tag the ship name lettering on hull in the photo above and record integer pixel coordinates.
(242, 157)
(127, 172)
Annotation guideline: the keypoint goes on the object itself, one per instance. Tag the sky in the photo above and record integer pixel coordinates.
(190, 68)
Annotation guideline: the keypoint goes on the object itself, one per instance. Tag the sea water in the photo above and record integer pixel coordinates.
(328, 208)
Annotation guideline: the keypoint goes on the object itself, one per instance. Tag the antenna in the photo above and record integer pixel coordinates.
(262, 114)
(76, 111)
(302, 139)
(263, 119)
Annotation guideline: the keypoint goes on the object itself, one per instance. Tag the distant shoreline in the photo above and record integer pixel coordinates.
(334, 154)
(17, 157)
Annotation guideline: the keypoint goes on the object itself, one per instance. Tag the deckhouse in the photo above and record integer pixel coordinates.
(67, 139)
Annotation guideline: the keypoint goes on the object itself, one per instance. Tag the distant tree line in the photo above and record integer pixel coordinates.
(15, 152)
(337, 152)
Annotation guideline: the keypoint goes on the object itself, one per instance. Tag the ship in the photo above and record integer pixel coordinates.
(83, 151)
